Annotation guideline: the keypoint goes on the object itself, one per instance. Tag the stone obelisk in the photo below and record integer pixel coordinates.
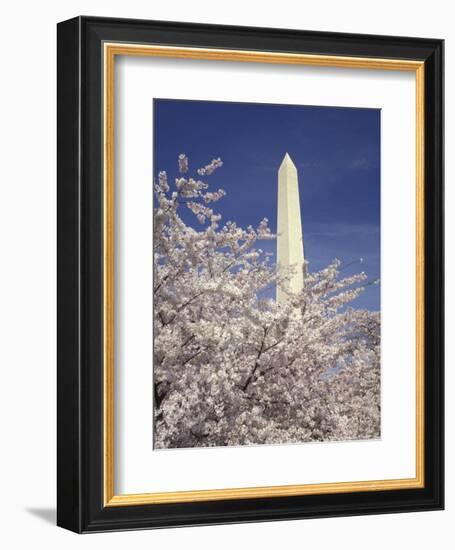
(289, 230)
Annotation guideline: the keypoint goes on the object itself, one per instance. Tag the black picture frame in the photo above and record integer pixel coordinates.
(80, 475)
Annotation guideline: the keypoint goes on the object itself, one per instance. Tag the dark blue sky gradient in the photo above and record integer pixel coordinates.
(337, 155)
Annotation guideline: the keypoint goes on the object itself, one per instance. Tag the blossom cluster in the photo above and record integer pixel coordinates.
(234, 368)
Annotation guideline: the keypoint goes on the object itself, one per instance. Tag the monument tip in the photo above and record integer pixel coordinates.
(287, 161)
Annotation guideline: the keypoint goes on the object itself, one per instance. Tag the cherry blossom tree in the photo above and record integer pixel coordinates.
(232, 366)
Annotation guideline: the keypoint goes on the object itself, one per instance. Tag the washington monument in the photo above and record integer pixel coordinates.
(289, 229)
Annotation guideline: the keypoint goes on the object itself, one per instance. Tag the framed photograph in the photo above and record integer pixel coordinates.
(250, 274)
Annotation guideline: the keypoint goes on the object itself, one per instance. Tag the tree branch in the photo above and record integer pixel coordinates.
(190, 358)
(256, 365)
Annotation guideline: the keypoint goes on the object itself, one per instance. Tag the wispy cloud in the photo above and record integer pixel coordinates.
(361, 163)
(341, 230)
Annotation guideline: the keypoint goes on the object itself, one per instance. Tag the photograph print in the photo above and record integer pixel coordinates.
(267, 326)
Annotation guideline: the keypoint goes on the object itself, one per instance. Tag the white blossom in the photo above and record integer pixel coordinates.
(183, 163)
(210, 168)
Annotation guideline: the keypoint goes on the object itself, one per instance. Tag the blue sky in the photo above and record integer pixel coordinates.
(337, 155)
